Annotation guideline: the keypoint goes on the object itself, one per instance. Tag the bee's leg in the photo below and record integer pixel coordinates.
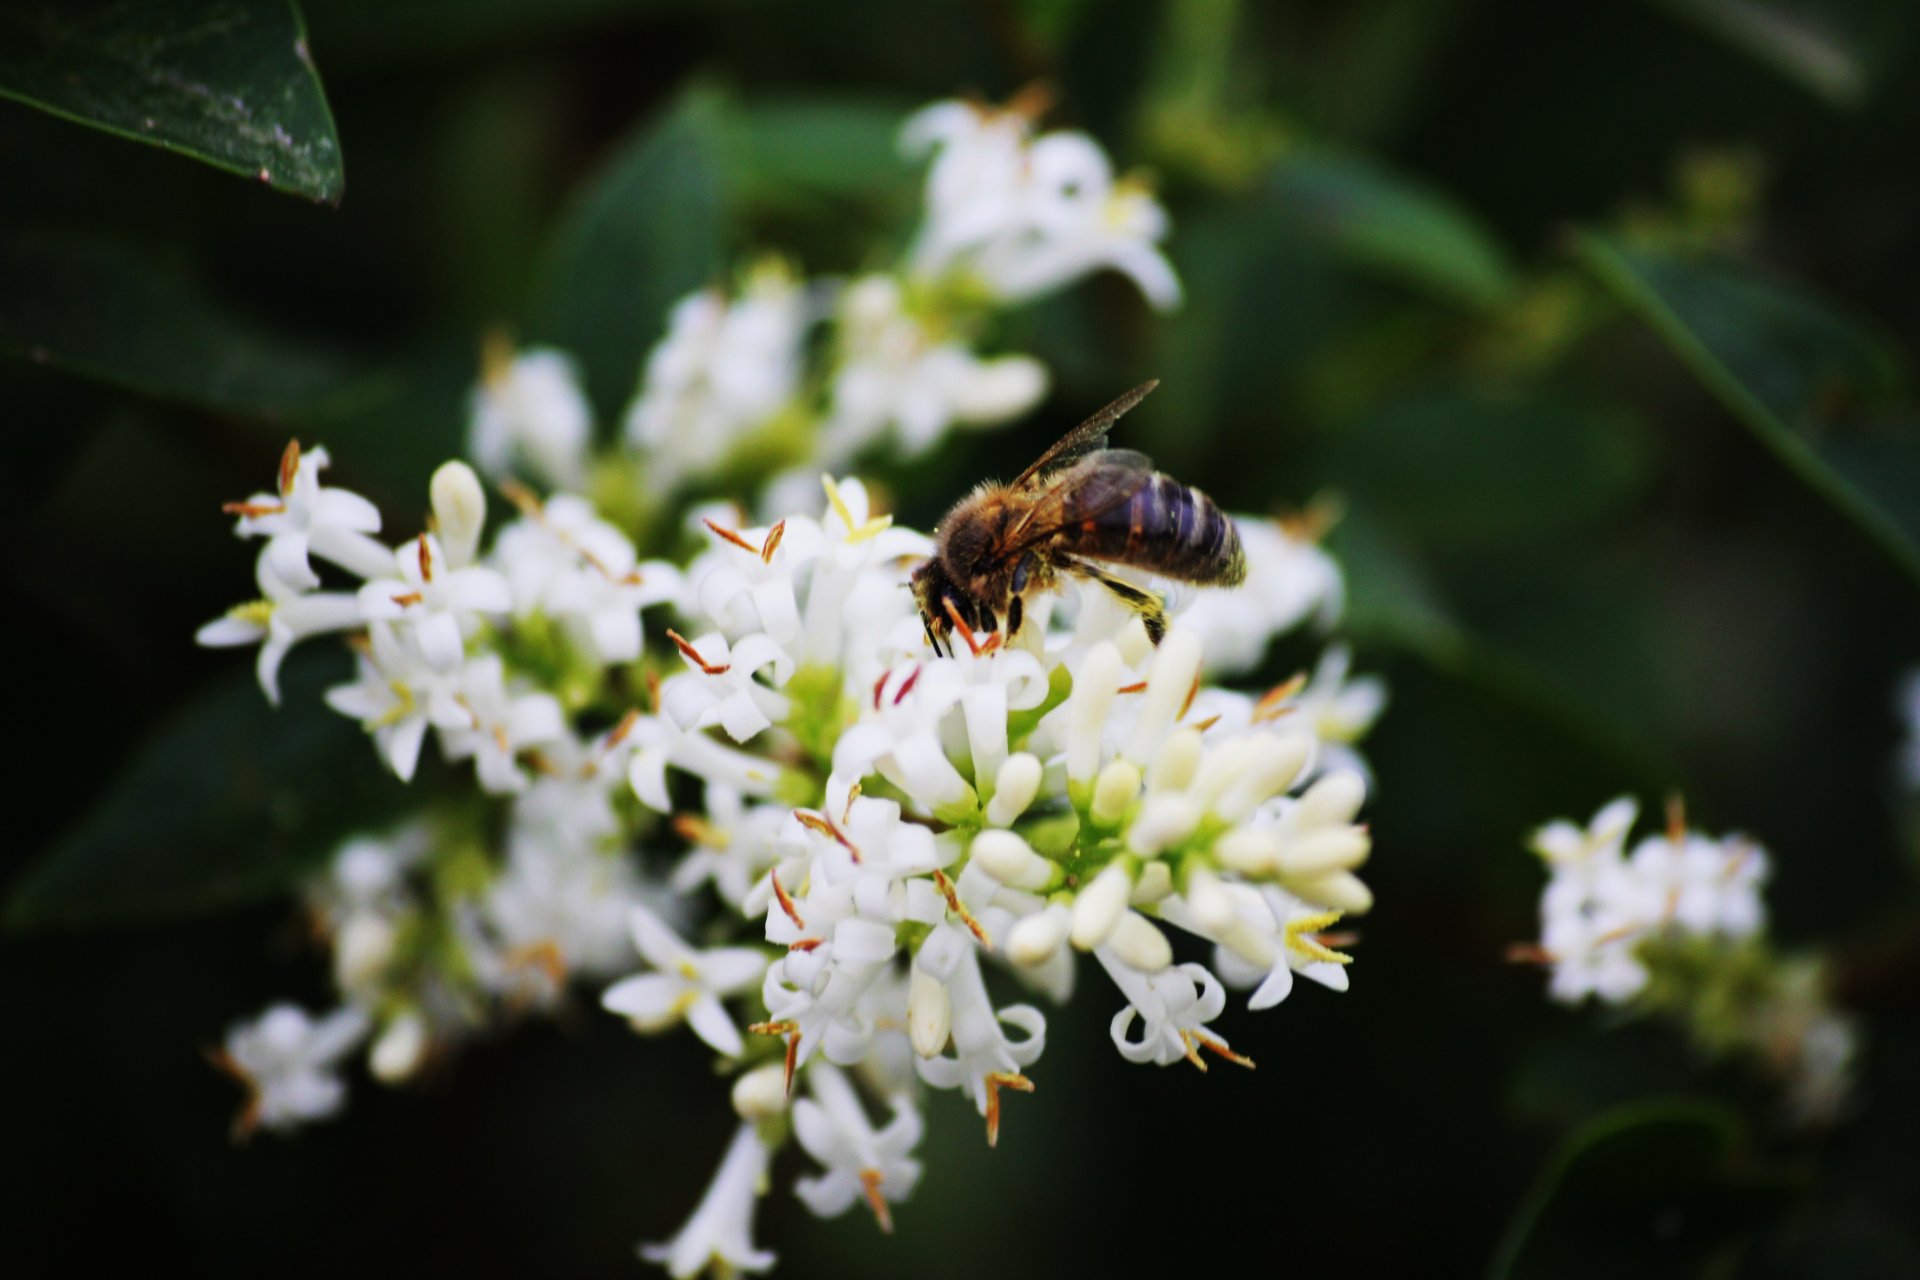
(1016, 613)
(1143, 602)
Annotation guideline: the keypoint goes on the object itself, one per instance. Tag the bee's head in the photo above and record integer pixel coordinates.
(934, 590)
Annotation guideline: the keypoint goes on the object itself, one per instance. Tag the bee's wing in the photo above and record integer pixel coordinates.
(1091, 488)
(1084, 439)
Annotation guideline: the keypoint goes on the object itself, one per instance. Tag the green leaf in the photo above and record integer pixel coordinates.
(1834, 50)
(232, 802)
(788, 149)
(1658, 1179)
(225, 81)
(107, 313)
(1814, 387)
(1391, 225)
(645, 233)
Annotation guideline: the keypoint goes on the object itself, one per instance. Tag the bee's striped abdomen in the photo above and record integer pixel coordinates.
(1172, 530)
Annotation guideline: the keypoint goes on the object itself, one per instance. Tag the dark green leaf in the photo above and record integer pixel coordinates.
(225, 81)
(646, 232)
(1816, 388)
(107, 313)
(1651, 1180)
(232, 802)
(1391, 225)
(787, 149)
(1834, 50)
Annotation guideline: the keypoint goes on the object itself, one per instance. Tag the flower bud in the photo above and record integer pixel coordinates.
(1251, 851)
(1099, 906)
(1140, 945)
(362, 949)
(1169, 682)
(1010, 860)
(1257, 948)
(1273, 762)
(761, 1093)
(1341, 890)
(1176, 762)
(1115, 792)
(1328, 849)
(401, 1048)
(1155, 883)
(929, 1015)
(1333, 799)
(1034, 940)
(1095, 685)
(1014, 788)
(1164, 821)
(459, 511)
(1208, 899)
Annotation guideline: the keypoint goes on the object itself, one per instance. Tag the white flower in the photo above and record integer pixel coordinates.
(721, 689)
(1907, 704)
(1587, 865)
(985, 1059)
(722, 370)
(277, 622)
(397, 697)
(438, 606)
(288, 1059)
(499, 725)
(1703, 886)
(306, 519)
(1292, 928)
(858, 1160)
(565, 562)
(1592, 953)
(659, 743)
(720, 1233)
(529, 411)
(732, 844)
(897, 375)
(557, 910)
(687, 984)
(1173, 1007)
(1340, 710)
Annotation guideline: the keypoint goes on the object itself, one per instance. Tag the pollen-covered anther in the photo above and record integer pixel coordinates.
(1676, 818)
(1138, 686)
(289, 466)
(252, 510)
(1530, 953)
(868, 528)
(696, 830)
(805, 944)
(692, 655)
(426, 559)
(785, 901)
(247, 1119)
(522, 497)
(544, 955)
(870, 1179)
(1303, 936)
(1219, 1049)
(821, 823)
(853, 793)
(959, 908)
(791, 1031)
(407, 599)
(1273, 703)
(996, 1081)
(728, 535)
(621, 730)
(771, 543)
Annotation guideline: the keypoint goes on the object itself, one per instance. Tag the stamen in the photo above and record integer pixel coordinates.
(247, 1120)
(1192, 1053)
(621, 730)
(805, 944)
(959, 908)
(879, 685)
(696, 830)
(1273, 703)
(544, 955)
(289, 466)
(1219, 1048)
(496, 357)
(855, 533)
(1203, 725)
(692, 655)
(407, 599)
(772, 543)
(1031, 101)
(721, 531)
(821, 823)
(1138, 686)
(1530, 953)
(1193, 691)
(1302, 936)
(522, 497)
(791, 1031)
(870, 1179)
(426, 560)
(997, 1080)
(1676, 818)
(853, 793)
(786, 903)
(253, 510)
(906, 686)
(652, 682)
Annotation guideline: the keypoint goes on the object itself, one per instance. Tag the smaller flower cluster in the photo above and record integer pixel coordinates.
(1676, 925)
(785, 369)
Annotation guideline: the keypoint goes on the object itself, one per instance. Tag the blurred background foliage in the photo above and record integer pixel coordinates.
(1592, 323)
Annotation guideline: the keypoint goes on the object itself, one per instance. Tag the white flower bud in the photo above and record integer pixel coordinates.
(929, 1015)
(761, 1093)
(1095, 685)
(1034, 940)
(1011, 860)
(401, 1048)
(1273, 762)
(1251, 851)
(1115, 792)
(1099, 906)
(1133, 642)
(1164, 821)
(1014, 788)
(1257, 948)
(1341, 890)
(1169, 683)
(1333, 800)
(1139, 944)
(1328, 849)
(1155, 883)
(362, 949)
(1176, 762)
(459, 511)
(1208, 899)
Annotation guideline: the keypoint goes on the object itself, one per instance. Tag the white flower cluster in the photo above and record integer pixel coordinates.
(1010, 217)
(907, 850)
(1602, 903)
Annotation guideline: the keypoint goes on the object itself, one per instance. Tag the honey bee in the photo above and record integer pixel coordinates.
(1081, 505)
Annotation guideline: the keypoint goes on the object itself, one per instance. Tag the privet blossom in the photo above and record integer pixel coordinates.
(738, 792)
(1675, 923)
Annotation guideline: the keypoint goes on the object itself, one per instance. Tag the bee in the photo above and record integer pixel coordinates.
(1081, 506)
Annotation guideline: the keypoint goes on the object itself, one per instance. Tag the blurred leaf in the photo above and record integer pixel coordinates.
(1830, 49)
(232, 802)
(646, 232)
(1813, 386)
(379, 31)
(225, 81)
(1649, 1183)
(105, 312)
(1389, 224)
(791, 148)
